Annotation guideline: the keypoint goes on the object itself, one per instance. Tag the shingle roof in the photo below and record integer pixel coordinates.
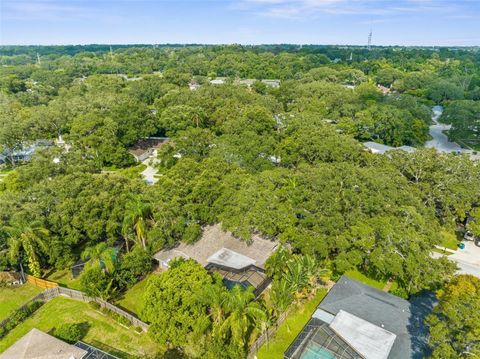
(39, 345)
(403, 318)
(214, 240)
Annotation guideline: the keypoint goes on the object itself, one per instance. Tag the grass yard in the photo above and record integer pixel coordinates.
(65, 279)
(355, 274)
(12, 298)
(132, 300)
(449, 239)
(290, 328)
(104, 332)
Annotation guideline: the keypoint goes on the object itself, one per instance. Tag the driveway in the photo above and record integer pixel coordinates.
(468, 259)
(150, 172)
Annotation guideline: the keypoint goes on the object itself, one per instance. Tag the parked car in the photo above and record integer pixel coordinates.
(469, 236)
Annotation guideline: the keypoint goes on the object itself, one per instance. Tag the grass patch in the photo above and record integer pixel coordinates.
(13, 298)
(355, 274)
(441, 251)
(65, 279)
(104, 332)
(290, 328)
(449, 239)
(132, 300)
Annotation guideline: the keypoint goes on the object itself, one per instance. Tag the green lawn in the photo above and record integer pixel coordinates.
(65, 279)
(132, 300)
(449, 239)
(289, 329)
(104, 332)
(355, 274)
(12, 298)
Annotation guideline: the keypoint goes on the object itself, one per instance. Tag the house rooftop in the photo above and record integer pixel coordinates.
(39, 345)
(377, 147)
(357, 321)
(401, 317)
(220, 247)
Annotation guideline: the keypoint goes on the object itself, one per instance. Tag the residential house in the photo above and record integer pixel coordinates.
(357, 321)
(272, 83)
(218, 81)
(237, 261)
(146, 147)
(39, 345)
(381, 149)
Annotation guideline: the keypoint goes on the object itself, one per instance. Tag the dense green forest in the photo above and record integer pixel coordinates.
(286, 162)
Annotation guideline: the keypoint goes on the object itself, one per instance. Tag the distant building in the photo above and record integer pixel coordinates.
(384, 90)
(272, 83)
(356, 321)
(381, 149)
(193, 85)
(10, 278)
(237, 261)
(39, 345)
(218, 81)
(378, 148)
(245, 82)
(145, 147)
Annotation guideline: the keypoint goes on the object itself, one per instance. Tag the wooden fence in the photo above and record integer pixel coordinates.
(265, 337)
(51, 293)
(76, 294)
(41, 297)
(42, 283)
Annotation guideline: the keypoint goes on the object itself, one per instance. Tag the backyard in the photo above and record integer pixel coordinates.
(290, 328)
(104, 332)
(13, 297)
(133, 298)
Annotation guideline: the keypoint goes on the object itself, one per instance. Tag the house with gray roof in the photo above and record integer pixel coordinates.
(381, 149)
(357, 321)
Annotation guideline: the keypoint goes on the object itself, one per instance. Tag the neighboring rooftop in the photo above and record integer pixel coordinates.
(379, 148)
(399, 316)
(39, 345)
(364, 322)
(222, 248)
(143, 148)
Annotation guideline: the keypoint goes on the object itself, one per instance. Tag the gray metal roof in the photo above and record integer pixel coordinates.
(403, 318)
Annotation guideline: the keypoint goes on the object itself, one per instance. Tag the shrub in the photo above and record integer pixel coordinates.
(71, 332)
(19, 316)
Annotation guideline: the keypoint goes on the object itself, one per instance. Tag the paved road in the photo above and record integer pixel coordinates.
(440, 140)
(468, 259)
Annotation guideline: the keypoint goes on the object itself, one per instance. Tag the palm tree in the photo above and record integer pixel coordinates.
(243, 315)
(98, 255)
(27, 238)
(280, 296)
(137, 216)
(276, 263)
(214, 297)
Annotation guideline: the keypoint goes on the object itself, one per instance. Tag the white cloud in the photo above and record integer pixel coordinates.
(298, 9)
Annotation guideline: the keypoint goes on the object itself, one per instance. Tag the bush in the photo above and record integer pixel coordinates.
(133, 265)
(71, 332)
(19, 316)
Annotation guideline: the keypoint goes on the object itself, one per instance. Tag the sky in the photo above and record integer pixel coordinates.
(392, 22)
